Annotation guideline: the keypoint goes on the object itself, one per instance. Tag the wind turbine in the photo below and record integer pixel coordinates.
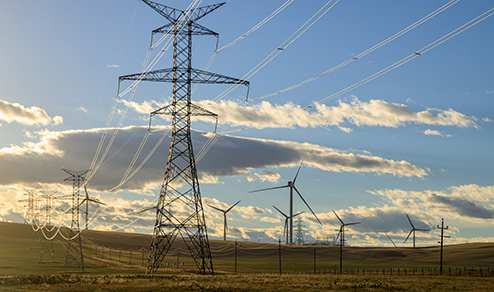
(341, 234)
(291, 185)
(413, 231)
(225, 225)
(391, 240)
(286, 221)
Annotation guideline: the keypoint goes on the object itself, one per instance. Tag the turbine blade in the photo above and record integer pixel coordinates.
(95, 201)
(267, 189)
(339, 234)
(216, 208)
(338, 217)
(286, 227)
(408, 236)
(281, 212)
(413, 227)
(352, 223)
(422, 229)
(295, 215)
(391, 240)
(300, 166)
(307, 204)
(232, 206)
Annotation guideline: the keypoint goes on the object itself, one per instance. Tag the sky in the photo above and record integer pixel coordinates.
(413, 139)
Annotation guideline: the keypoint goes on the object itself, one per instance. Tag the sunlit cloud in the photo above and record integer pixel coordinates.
(435, 133)
(376, 113)
(15, 112)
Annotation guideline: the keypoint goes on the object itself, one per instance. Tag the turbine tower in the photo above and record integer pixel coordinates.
(291, 185)
(180, 188)
(225, 224)
(341, 235)
(285, 231)
(413, 231)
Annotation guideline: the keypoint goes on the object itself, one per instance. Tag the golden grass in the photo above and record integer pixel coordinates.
(180, 282)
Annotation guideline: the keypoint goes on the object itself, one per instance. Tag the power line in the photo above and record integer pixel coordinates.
(410, 57)
(364, 53)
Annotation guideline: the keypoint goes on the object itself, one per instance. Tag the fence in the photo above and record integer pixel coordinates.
(269, 258)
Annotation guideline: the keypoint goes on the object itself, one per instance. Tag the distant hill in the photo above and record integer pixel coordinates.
(21, 252)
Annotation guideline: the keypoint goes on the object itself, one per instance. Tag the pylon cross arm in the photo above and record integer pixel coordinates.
(195, 110)
(193, 29)
(197, 76)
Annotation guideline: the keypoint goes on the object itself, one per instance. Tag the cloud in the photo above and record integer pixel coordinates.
(81, 109)
(41, 162)
(113, 66)
(372, 113)
(435, 133)
(270, 176)
(467, 202)
(463, 207)
(14, 112)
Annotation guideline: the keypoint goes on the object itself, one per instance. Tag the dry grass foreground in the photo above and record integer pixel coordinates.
(180, 282)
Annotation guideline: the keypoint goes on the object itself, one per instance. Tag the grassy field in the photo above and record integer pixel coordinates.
(244, 282)
(116, 262)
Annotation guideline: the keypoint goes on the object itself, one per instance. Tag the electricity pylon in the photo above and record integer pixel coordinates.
(74, 253)
(179, 211)
(29, 217)
(299, 237)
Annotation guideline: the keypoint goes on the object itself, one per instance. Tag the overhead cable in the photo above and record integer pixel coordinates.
(410, 57)
(366, 52)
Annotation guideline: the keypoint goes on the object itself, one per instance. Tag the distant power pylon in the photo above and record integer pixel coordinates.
(180, 189)
(74, 253)
(299, 229)
(29, 217)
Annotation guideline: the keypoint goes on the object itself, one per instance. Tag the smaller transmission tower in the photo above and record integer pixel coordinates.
(47, 209)
(299, 229)
(74, 255)
(29, 217)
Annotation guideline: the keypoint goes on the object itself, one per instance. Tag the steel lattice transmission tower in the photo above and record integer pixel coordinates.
(74, 253)
(299, 237)
(180, 189)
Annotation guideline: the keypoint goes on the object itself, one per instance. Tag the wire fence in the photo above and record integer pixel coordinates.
(269, 258)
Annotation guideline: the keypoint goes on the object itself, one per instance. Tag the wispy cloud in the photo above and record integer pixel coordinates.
(435, 133)
(113, 66)
(14, 112)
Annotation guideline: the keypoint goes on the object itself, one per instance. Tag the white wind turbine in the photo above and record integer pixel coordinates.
(285, 231)
(291, 185)
(413, 231)
(225, 224)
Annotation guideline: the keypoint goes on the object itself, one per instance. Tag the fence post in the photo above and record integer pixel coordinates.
(235, 256)
(314, 261)
(142, 256)
(279, 252)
